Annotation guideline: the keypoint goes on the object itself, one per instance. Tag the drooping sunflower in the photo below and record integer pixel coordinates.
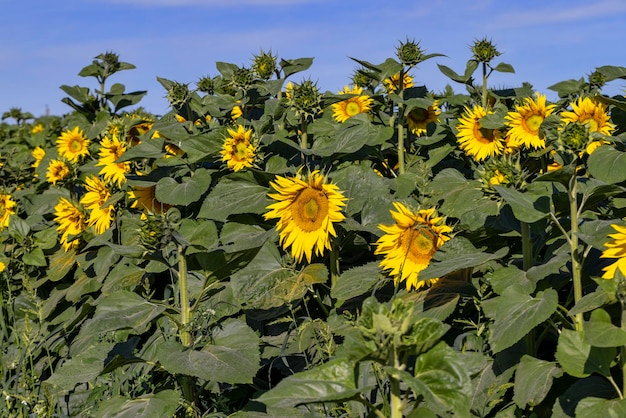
(616, 249)
(476, 141)
(345, 109)
(526, 120)
(72, 145)
(57, 171)
(144, 198)
(393, 83)
(94, 199)
(418, 118)
(38, 154)
(307, 209)
(112, 149)
(238, 152)
(410, 243)
(7, 209)
(71, 222)
(590, 112)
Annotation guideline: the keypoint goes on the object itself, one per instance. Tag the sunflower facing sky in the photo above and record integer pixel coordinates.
(112, 149)
(71, 222)
(478, 142)
(7, 208)
(392, 83)
(615, 249)
(57, 171)
(306, 208)
(526, 120)
(410, 243)
(144, 198)
(95, 197)
(345, 109)
(591, 113)
(72, 145)
(238, 152)
(418, 119)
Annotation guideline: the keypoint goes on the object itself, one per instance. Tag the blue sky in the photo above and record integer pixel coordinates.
(45, 43)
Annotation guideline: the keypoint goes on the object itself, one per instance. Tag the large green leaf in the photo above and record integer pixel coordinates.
(580, 359)
(160, 405)
(233, 357)
(526, 207)
(599, 407)
(588, 387)
(171, 192)
(607, 164)
(515, 313)
(533, 380)
(600, 332)
(351, 136)
(355, 282)
(332, 381)
(85, 366)
(361, 185)
(234, 195)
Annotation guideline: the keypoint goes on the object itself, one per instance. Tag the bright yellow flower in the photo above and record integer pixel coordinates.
(590, 112)
(237, 151)
(73, 144)
(7, 208)
(410, 243)
(594, 145)
(418, 119)
(57, 171)
(3, 266)
(145, 199)
(173, 150)
(615, 249)
(236, 113)
(526, 120)
(37, 128)
(71, 222)
(38, 154)
(497, 178)
(112, 149)
(94, 199)
(345, 109)
(478, 142)
(392, 83)
(307, 209)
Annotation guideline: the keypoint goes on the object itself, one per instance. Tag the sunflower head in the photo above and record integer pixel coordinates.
(38, 154)
(591, 113)
(345, 109)
(526, 121)
(484, 50)
(206, 84)
(597, 80)
(264, 65)
(73, 144)
(238, 151)
(307, 209)
(616, 250)
(409, 244)
(361, 77)
(71, 220)
(409, 53)
(419, 118)
(37, 129)
(304, 98)
(7, 209)
(392, 84)
(574, 137)
(57, 171)
(476, 141)
(242, 78)
(178, 94)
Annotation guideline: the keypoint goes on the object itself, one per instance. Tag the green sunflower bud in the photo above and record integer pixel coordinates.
(151, 232)
(306, 99)
(484, 50)
(206, 85)
(242, 78)
(264, 65)
(178, 94)
(574, 137)
(597, 79)
(410, 53)
(361, 78)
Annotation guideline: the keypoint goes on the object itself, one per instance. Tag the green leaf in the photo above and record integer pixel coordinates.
(35, 257)
(160, 405)
(122, 310)
(526, 208)
(292, 66)
(606, 164)
(589, 387)
(355, 282)
(332, 381)
(200, 234)
(580, 359)
(600, 332)
(504, 68)
(233, 357)
(598, 407)
(612, 72)
(533, 380)
(351, 136)
(85, 366)
(515, 314)
(234, 196)
(590, 302)
(171, 192)
(61, 262)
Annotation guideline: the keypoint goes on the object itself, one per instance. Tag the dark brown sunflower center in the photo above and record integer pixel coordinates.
(310, 209)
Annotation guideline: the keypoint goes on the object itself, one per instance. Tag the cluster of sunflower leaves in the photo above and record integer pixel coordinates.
(268, 249)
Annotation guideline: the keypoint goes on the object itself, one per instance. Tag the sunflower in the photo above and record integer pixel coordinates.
(418, 118)
(615, 249)
(7, 208)
(594, 114)
(38, 153)
(71, 221)
(173, 151)
(57, 171)
(392, 83)
(236, 113)
(37, 128)
(409, 244)
(307, 209)
(526, 120)
(112, 149)
(94, 199)
(237, 151)
(476, 141)
(73, 144)
(145, 199)
(345, 109)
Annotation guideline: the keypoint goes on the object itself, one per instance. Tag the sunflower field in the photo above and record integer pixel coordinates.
(265, 249)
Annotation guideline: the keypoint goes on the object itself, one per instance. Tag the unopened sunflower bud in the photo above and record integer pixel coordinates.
(484, 50)
(305, 98)
(178, 94)
(206, 85)
(264, 65)
(410, 53)
(597, 79)
(242, 78)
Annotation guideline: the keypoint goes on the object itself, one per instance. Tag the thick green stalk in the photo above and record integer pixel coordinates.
(401, 124)
(396, 398)
(484, 98)
(185, 316)
(527, 246)
(576, 266)
(303, 138)
(334, 265)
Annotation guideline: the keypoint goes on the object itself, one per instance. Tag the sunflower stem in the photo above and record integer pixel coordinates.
(527, 251)
(396, 399)
(484, 96)
(576, 266)
(401, 124)
(185, 335)
(334, 266)
(303, 139)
